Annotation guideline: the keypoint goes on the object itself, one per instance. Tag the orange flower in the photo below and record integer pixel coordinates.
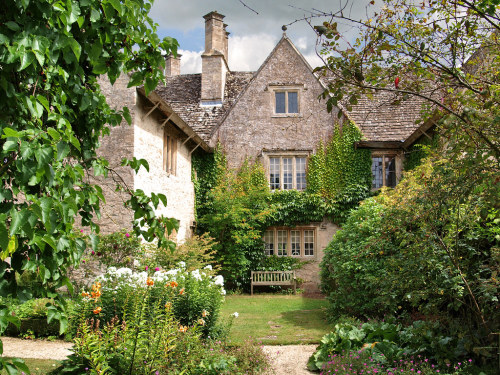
(97, 310)
(181, 292)
(168, 305)
(150, 282)
(183, 329)
(173, 284)
(201, 322)
(96, 286)
(96, 294)
(85, 294)
(204, 313)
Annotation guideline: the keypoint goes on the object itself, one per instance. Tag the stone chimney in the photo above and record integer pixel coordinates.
(214, 60)
(172, 65)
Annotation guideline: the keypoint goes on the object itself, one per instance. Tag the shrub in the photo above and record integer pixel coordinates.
(194, 295)
(387, 342)
(196, 252)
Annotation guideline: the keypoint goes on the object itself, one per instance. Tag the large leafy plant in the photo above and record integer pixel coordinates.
(52, 114)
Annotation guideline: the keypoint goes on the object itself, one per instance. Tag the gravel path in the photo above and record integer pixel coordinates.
(290, 359)
(41, 349)
(287, 359)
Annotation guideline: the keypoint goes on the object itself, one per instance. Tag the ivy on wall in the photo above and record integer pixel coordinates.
(418, 151)
(338, 167)
(236, 207)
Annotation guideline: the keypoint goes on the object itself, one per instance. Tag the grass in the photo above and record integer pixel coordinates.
(277, 319)
(38, 366)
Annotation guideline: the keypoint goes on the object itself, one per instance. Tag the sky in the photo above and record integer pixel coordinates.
(253, 32)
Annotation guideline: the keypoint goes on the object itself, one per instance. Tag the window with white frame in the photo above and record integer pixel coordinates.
(383, 171)
(298, 242)
(287, 172)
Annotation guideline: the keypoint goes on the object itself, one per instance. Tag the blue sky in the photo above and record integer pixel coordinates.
(253, 36)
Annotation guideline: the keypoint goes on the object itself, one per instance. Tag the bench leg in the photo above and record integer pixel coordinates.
(251, 289)
(294, 287)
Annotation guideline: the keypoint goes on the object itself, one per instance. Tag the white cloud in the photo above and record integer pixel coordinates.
(247, 53)
(190, 62)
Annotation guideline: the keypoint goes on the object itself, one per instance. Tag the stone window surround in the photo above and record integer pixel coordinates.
(267, 154)
(298, 88)
(398, 163)
(289, 230)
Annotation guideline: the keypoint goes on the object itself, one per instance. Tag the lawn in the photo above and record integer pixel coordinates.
(277, 319)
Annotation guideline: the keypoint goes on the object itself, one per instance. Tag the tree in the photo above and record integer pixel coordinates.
(443, 51)
(52, 114)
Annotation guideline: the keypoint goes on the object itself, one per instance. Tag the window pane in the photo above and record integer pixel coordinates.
(287, 173)
(308, 242)
(390, 171)
(300, 169)
(282, 242)
(377, 176)
(280, 102)
(269, 242)
(293, 105)
(295, 242)
(274, 173)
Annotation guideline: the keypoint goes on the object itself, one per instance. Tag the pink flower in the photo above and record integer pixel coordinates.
(81, 230)
(157, 268)
(146, 268)
(93, 252)
(127, 235)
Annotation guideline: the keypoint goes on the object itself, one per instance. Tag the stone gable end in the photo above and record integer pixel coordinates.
(252, 125)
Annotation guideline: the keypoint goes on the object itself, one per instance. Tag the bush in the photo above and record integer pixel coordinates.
(196, 252)
(148, 339)
(194, 295)
(387, 342)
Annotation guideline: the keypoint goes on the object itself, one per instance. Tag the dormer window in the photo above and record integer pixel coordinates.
(383, 170)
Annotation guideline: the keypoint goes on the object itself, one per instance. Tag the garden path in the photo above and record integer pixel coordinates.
(287, 359)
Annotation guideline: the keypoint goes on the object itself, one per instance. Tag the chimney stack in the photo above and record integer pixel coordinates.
(172, 65)
(214, 60)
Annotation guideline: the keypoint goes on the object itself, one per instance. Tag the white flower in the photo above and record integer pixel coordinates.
(136, 263)
(235, 314)
(209, 267)
(223, 292)
(219, 280)
(182, 264)
(196, 274)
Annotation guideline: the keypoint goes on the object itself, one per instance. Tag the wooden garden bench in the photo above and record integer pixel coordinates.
(281, 278)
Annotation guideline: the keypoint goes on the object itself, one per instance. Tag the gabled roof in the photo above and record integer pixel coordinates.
(384, 118)
(183, 94)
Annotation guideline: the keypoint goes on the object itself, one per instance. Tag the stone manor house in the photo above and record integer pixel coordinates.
(272, 115)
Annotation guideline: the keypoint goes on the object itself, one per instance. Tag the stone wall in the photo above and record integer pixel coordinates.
(252, 126)
(119, 144)
(178, 187)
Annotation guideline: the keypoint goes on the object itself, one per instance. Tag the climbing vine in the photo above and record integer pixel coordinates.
(418, 151)
(236, 207)
(339, 167)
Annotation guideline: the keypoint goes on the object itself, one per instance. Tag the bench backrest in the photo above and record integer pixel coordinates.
(272, 276)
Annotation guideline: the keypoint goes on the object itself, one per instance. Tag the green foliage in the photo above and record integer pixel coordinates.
(429, 246)
(276, 263)
(118, 249)
(196, 252)
(235, 211)
(52, 114)
(338, 166)
(192, 294)
(387, 343)
(419, 151)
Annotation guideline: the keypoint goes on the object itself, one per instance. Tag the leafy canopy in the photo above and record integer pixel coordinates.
(52, 114)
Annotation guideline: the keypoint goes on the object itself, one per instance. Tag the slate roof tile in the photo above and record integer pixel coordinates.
(183, 94)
